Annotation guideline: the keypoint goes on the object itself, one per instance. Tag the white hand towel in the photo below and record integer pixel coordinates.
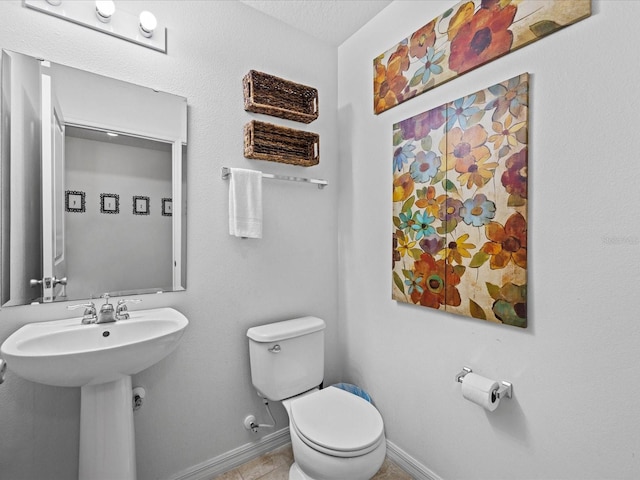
(245, 203)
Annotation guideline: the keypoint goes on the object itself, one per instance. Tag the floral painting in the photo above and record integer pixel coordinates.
(460, 205)
(466, 36)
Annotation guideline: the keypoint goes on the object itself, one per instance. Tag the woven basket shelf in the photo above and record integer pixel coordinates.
(265, 141)
(264, 93)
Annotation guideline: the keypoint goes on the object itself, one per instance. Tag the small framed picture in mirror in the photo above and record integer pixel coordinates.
(167, 207)
(140, 205)
(74, 201)
(109, 203)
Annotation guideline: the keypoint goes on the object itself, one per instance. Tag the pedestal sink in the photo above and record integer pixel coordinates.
(99, 358)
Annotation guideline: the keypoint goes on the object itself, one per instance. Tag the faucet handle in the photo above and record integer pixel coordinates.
(87, 306)
(89, 315)
(129, 300)
(122, 303)
(122, 312)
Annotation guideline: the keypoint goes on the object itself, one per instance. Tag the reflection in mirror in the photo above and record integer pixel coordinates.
(124, 235)
(93, 185)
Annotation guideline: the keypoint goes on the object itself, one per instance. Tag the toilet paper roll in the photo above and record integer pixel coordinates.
(480, 390)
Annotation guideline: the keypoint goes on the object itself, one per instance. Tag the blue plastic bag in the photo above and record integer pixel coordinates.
(353, 389)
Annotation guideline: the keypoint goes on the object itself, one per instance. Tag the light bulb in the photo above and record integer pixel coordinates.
(148, 23)
(104, 10)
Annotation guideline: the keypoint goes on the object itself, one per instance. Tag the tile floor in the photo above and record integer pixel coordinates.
(275, 466)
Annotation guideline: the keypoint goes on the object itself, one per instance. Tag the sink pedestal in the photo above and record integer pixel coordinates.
(107, 446)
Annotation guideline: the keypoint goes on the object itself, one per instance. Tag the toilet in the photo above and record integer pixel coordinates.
(335, 434)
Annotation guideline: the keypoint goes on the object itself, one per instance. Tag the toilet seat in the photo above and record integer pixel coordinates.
(337, 423)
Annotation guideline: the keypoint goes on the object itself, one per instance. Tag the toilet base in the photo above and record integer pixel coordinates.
(296, 474)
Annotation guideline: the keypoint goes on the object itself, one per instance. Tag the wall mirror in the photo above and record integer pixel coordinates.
(93, 185)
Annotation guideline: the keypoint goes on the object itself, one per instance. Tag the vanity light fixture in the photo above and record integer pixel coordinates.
(104, 10)
(101, 15)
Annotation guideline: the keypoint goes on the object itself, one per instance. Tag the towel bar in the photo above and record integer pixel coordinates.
(226, 173)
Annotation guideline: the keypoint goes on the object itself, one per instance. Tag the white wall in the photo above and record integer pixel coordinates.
(575, 412)
(198, 397)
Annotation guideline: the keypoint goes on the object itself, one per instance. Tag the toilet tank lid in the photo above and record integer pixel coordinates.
(274, 332)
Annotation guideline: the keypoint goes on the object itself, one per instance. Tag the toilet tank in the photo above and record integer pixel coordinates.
(287, 358)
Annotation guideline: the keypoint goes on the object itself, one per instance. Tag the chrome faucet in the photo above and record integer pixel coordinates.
(107, 312)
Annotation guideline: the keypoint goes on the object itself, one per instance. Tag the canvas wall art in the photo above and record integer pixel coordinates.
(470, 34)
(460, 205)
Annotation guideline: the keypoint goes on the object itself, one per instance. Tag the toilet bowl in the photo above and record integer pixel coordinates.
(335, 435)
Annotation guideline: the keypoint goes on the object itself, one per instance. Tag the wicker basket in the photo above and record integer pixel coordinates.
(264, 93)
(265, 141)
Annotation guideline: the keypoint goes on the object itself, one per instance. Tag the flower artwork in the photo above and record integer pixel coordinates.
(460, 205)
(466, 36)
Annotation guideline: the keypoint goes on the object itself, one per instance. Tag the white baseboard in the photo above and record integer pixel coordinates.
(236, 457)
(409, 464)
(245, 453)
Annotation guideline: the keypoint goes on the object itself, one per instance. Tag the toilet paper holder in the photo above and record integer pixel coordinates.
(504, 390)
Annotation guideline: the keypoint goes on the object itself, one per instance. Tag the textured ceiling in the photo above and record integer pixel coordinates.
(332, 21)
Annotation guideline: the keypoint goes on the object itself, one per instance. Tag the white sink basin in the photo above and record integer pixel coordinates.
(67, 353)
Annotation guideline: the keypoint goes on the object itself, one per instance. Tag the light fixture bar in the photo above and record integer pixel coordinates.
(123, 25)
